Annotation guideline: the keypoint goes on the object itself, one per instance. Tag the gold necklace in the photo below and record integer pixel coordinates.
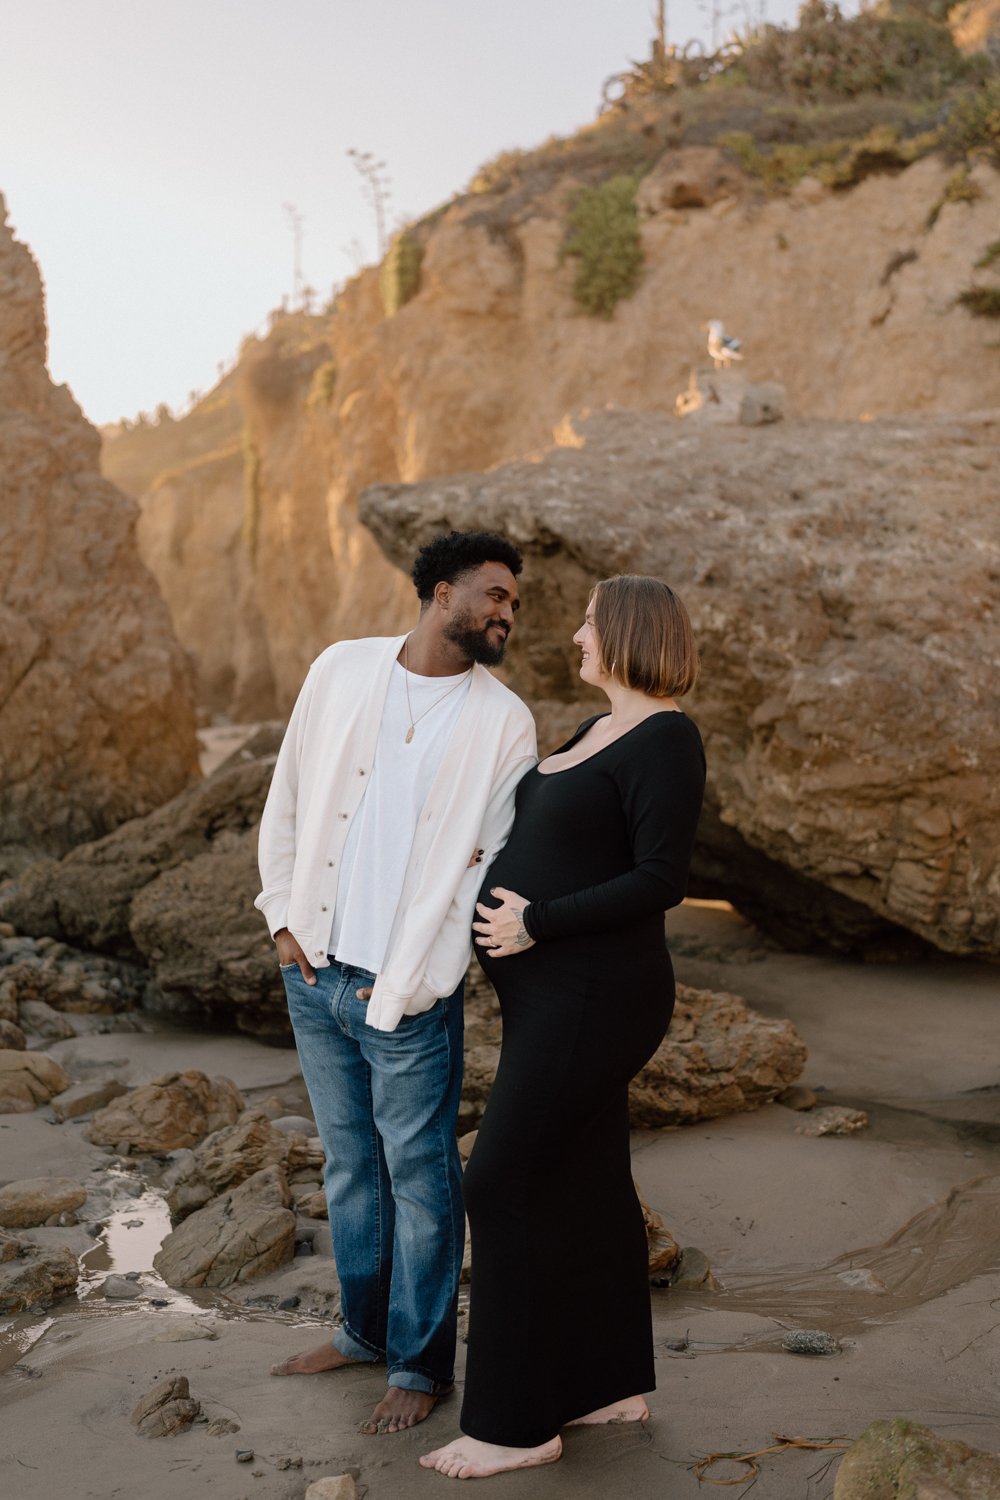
(406, 685)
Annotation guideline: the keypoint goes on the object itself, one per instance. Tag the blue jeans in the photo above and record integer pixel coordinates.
(386, 1104)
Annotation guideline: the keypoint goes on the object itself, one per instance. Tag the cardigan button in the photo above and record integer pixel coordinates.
(323, 908)
(344, 815)
(329, 864)
(361, 773)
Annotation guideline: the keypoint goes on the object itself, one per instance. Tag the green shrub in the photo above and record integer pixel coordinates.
(832, 55)
(958, 189)
(839, 163)
(604, 238)
(324, 382)
(982, 301)
(973, 123)
(399, 278)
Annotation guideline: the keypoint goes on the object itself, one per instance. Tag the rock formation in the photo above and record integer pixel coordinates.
(847, 299)
(842, 580)
(33, 1275)
(901, 1460)
(243, 1234)
(175, 890)
(96, 712)
(175, 1110)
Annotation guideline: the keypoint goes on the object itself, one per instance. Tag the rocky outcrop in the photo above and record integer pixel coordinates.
(32, 1275)
(902, 1461)
(239, 1236)
(175, 889)
(842, 580)
(847, 299)
(718, 1058)
(96, 709)
(175, 1110)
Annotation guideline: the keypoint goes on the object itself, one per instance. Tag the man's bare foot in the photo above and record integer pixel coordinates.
(400, 1409)
(468, 1458)
(632, 1409)
(312, 1361)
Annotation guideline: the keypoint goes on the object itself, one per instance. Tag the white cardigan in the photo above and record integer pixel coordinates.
(318, 783)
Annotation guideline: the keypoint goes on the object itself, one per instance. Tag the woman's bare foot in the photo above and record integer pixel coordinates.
(400, 1409)
(468, 1458)
(632, 1409)
(312, 1361)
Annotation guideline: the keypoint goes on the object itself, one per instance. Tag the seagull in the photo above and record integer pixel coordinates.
(722, 348)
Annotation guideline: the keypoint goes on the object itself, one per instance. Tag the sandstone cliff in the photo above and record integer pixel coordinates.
(843, 584)
(846, 297)
(96, 709)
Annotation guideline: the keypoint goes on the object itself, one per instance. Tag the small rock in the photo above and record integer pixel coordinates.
(118, 1287)
(663, 1250)
(167, 1409)
(221, 1427)
(693, 1270)
(81, 1098)
(244, 1455)
(810, 1341)
(11, 1036)
(288, 1461)
(314, 1205)
(797, 1097)
(159, 1301)
(304, 1247)
(833, 1119)
(287, 1304)
(333, 1487)
(39, 1018)
(863, 1280)
(34, 1200)
(466, 1143)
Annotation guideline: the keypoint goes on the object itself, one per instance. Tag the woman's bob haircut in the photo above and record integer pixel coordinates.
(644, 636)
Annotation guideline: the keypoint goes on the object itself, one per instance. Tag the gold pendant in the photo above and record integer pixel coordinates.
(409, 734)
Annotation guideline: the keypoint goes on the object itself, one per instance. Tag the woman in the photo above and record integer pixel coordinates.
(571, 935)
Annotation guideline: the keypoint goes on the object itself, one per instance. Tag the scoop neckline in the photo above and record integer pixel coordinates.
(663, 713)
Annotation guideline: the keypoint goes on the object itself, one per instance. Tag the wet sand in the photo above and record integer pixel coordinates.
(886, 1238)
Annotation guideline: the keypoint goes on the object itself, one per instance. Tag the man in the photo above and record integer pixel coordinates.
(394, 785)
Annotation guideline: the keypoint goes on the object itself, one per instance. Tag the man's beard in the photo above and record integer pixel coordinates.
(476, 645)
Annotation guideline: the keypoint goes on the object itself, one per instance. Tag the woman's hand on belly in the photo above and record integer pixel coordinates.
(501, 928)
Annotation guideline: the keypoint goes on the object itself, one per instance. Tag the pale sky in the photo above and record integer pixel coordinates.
(147, 150)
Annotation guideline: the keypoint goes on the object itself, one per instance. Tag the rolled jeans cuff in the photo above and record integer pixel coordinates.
(411, 1380)
(347, 1345)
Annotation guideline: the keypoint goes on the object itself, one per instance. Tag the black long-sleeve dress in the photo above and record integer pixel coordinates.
(559, 1320)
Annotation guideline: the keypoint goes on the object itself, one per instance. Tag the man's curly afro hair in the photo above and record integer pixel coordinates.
(446, 558)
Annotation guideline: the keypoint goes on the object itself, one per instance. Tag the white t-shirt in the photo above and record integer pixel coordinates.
(375, 856)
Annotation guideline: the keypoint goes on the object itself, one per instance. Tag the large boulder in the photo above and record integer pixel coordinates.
(718, 1058)
(175, 1110)
(243, 1234)
(842, 581)
(96, 705)
(902, 1461)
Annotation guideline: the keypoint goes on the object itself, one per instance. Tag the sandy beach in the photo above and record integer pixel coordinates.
(885, 1239)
